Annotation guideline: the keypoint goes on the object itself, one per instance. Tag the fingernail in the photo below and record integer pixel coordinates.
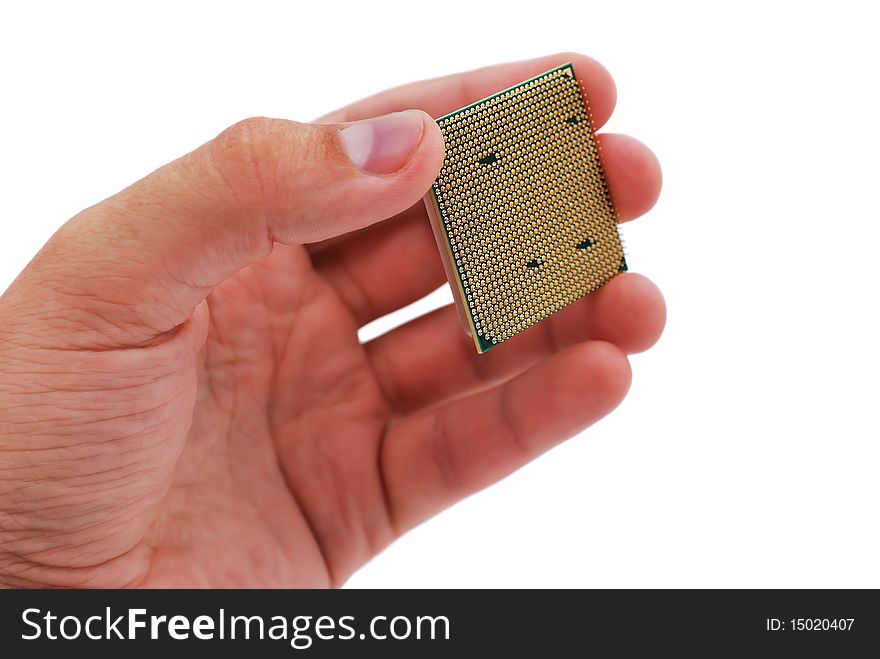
(384, 144)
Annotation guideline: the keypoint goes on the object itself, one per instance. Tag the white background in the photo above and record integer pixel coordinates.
(747, 451)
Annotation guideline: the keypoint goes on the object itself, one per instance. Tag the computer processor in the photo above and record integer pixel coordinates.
(521, 209)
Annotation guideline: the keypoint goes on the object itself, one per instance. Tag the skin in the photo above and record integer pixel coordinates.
(184, 400)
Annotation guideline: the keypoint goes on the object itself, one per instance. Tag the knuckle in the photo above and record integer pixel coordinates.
(244, 155)
(258, 158)
(442, 454)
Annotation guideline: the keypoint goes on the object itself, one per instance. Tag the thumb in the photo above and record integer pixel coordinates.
(136, 265)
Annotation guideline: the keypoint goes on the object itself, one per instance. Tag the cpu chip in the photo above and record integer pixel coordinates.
(521, 208)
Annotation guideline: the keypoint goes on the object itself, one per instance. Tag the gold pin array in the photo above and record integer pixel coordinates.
(524, 206)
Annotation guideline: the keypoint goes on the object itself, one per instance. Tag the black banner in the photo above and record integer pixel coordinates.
(418, 623)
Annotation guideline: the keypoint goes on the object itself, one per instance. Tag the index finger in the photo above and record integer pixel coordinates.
(443, 95)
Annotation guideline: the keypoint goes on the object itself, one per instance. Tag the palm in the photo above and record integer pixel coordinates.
(278, 483)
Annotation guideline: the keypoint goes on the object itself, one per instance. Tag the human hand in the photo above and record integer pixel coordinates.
(184, 400)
